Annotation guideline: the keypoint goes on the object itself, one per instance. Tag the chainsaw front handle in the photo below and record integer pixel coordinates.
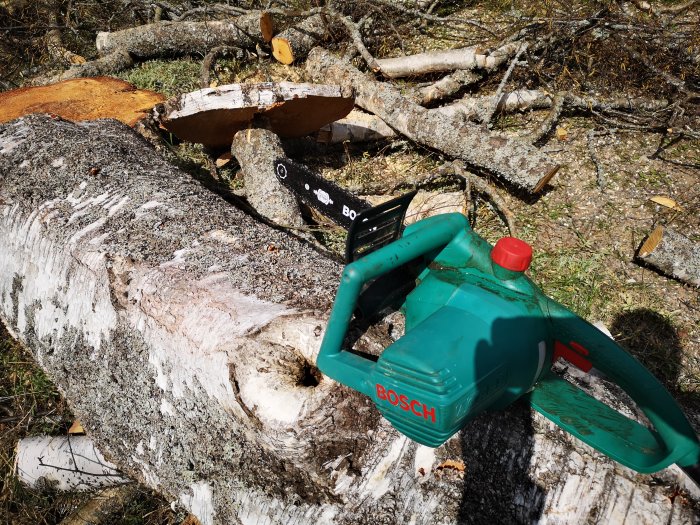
(425, 237)
(672, 440)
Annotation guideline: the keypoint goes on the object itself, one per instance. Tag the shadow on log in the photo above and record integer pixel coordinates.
(184, 336)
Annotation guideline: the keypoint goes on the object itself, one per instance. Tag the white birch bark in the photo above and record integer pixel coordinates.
(184, 336)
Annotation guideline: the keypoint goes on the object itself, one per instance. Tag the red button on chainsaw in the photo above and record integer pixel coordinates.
(512, 254)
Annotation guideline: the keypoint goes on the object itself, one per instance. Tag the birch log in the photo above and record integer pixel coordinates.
(466, 58)
(517, 162)
(184, 335)
(673, 254)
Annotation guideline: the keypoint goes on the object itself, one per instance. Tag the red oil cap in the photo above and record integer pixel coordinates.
(512, 254)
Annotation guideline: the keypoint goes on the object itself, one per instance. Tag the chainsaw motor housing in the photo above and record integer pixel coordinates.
(479, 335)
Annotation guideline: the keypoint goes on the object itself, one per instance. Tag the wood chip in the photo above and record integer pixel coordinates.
(76, 428)
(452, 464)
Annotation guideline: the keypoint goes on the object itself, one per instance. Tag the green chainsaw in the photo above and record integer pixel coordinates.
(480, 335)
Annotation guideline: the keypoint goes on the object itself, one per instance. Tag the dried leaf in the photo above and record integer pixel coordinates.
(223, 160)
(562, 133)
(452, 464)
(76, 428)
(664, 201)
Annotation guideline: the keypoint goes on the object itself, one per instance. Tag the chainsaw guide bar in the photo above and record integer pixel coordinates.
(369, 228)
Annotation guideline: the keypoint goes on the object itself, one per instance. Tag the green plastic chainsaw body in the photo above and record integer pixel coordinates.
(479, 335)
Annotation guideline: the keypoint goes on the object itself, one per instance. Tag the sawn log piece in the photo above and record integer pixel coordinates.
(212, 116)
(296, 42)
(184, 334)
(673, 254)
(515, 161)
(119, 49)
(81, 99)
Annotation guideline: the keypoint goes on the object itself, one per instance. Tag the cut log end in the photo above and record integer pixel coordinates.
(651, 242)
(282, 50)
(266, 26)
(672, 254)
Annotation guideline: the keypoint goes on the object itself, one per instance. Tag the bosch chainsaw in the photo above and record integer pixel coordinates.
(480, 335)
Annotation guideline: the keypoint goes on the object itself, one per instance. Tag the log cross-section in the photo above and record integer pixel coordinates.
(184, 335)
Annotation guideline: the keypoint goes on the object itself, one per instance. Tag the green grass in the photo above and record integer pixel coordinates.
(169, 77)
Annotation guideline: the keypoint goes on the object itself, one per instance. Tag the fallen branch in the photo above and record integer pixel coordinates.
(501, 86)
(106, 65)
(181, 38)
(673, 254)
(442, 61)
(548, 123)
(475, 108)
(516, 162)
(445, 87)
(210, 60)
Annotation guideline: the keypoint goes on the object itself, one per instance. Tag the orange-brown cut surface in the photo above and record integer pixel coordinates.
(81, 99)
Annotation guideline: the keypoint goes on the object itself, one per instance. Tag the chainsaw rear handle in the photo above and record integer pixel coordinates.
(425, 237)
(671, 441)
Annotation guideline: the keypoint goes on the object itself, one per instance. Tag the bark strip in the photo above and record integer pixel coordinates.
(673, 254)
(515, 161)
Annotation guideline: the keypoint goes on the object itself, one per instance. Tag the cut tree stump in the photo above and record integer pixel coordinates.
(515, 161)
(673, 254)
(212, 116)
(256, 151)
(184, 335)
(81, 99)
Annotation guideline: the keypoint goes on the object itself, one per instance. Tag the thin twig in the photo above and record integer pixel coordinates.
(211, 58)
(497, 96)
(393, 4)
(599, 171)
(552, 117)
